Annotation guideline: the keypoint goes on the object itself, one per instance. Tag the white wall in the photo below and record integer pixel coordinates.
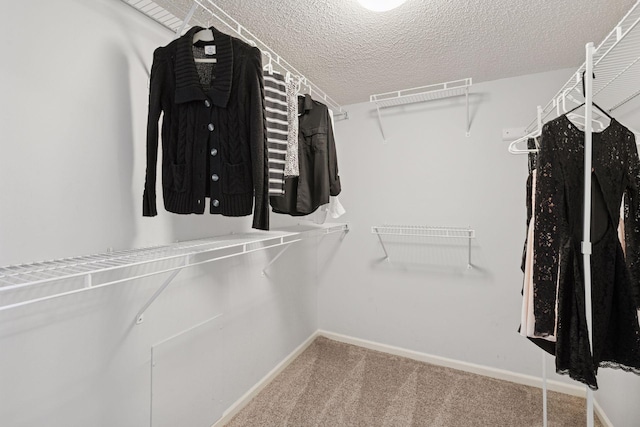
(430, 173)
(73, 112)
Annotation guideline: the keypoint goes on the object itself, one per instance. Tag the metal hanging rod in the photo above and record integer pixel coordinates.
(422, 94)
(616, 65)
(25, 284)
(176, 15)
(424, 231)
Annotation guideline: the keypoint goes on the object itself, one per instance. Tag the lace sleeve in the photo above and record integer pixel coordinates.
(549, 216)
(632, 216)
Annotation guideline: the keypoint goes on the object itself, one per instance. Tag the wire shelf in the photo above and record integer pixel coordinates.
(616, 67)
(422, 94)
(423, 231)
(177, 14)
(28, 283)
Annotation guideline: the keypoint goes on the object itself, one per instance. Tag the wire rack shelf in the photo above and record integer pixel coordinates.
(422, 94)
(25, 284)
(616, 65)
(424, 231)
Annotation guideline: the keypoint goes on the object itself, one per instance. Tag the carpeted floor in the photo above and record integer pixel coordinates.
(332, 384)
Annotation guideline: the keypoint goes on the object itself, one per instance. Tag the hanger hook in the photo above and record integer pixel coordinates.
(584, 90)
(269, 66)
(299, 84)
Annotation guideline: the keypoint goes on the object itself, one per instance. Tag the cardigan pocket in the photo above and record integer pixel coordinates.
(237, 179)
(179, 178)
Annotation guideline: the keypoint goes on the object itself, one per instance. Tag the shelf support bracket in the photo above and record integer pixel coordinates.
(384, 138)
(386, 254)
(469, 266)
(140, 316)
(275, 258)
(468, 116)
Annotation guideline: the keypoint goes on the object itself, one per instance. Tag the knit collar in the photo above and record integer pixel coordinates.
(188, 87)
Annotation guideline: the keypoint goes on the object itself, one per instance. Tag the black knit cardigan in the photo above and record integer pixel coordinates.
(213, 141)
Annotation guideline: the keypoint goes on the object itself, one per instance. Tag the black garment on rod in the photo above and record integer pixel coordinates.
(317, 160)
(213, 129)
(558, 261)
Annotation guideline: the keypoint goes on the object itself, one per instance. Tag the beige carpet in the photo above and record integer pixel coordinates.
(333, 384)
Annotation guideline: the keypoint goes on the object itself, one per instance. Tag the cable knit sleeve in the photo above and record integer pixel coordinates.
(155, 109)
(549, 219)
(258, 141)
(632, 216)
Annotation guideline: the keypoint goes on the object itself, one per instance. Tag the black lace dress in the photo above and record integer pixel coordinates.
(558, 272)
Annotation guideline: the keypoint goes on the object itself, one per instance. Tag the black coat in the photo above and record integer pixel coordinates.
(317, 160)
(213, 131)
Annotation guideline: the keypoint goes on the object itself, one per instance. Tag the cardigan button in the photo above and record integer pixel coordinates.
(215, 177)
(214, 151)
(207, 103)
(215, 203)
(211, 127)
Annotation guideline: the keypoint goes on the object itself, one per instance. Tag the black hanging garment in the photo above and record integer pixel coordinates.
(317, 161)
(558, 261)
(214, 143)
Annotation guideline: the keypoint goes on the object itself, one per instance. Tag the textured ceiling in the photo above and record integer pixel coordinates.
(352, 53)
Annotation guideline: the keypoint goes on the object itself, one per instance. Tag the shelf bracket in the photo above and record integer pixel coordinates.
(386, 254)
(275, 258)
(469, 266)
(384, 138)
(466, 90)
(140, 316)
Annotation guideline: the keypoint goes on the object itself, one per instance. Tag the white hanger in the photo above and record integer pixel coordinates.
(269, 66)
(206, 35)
(513, 149)
(299, 84)
(303, 85)
(575, 118)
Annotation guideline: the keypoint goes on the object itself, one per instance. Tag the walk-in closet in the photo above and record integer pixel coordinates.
(377, 213)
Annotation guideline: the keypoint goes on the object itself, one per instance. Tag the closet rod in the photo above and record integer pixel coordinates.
(158, 11)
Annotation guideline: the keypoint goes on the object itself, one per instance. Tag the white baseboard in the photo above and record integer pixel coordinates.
(606, 422)
(253, 392)
(499, 374)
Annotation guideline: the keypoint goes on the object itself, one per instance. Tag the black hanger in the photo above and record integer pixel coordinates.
(593, 103)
